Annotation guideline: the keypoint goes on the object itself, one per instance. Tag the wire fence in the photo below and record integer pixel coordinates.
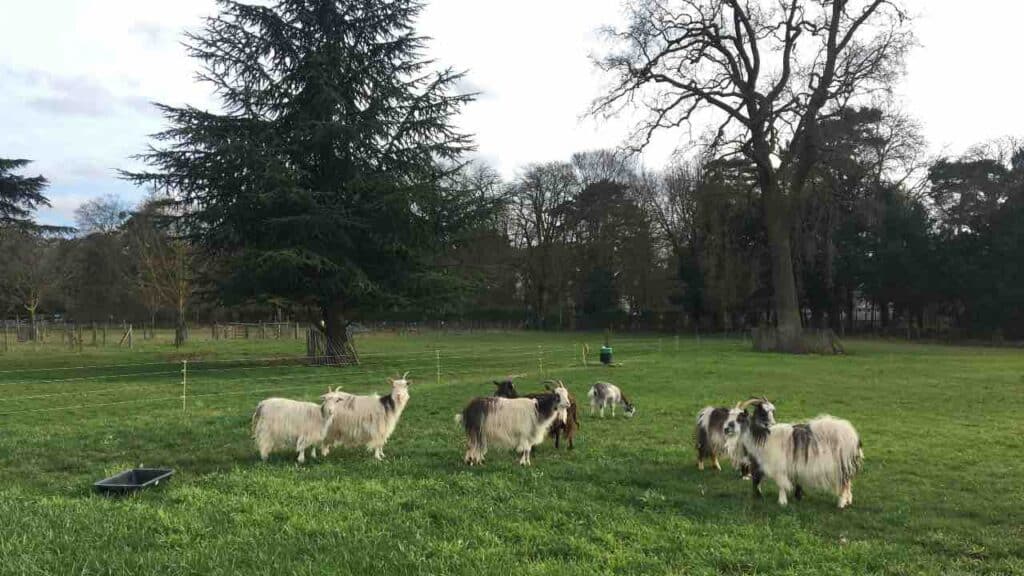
(177, 383)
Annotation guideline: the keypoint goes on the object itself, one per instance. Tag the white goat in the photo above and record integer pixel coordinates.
(824, 453)
(519, 423)
(603, 394)
(280, 423)
(364, 420)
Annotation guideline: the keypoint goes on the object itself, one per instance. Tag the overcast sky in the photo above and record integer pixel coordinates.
(76, 77)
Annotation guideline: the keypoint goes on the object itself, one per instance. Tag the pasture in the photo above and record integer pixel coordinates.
(941, 491)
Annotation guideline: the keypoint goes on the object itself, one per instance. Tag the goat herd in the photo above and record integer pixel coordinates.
(823, 453)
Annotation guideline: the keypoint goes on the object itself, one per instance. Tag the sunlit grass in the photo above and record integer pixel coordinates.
(941, 492)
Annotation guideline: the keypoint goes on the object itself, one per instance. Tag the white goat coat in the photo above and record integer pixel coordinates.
(283, 424)
(515, 424)
(363, 420)
(833, 456)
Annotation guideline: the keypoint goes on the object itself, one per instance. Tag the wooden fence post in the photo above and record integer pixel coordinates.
(129, 336)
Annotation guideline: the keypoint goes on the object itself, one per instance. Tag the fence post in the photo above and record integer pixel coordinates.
(130, 336)
(5, 335)
(184, 383)
(540, 359)
(437, 355)
(296, 331)
(104, 333)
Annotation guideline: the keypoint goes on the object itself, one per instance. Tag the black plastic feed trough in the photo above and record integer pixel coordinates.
(133, 480)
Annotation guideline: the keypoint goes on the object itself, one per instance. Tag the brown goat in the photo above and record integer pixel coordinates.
(571, 423)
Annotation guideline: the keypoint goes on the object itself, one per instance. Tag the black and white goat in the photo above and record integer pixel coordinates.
(567, 421)
(823, 453)
(518, 423)
(711, 441)
(364, 420)
(604, 394)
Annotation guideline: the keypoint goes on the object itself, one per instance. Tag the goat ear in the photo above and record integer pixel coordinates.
(496, 383)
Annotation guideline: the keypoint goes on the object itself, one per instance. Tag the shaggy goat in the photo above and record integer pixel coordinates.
(567, 421)
(823, 453)
(712, 442)
(603, 394)
(364, 420)
(519, 423)
(280, 423)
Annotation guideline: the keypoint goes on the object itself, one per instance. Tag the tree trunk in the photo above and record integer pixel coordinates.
(784, 297)
(336, 347)
(180, 329)
(32, 329)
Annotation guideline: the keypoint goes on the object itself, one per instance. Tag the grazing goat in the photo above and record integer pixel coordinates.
(567, 421)
(712, 442)
(823, 453)
(365, 420)
(280, 423)
(603, 394)
(519, 423)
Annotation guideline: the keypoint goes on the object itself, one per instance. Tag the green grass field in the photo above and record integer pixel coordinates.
(942, 491)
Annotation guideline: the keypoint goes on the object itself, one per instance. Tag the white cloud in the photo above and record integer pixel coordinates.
(89, 68)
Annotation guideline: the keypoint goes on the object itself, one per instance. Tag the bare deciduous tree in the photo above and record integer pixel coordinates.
(163, 265)
(539, 205)
(30, 270)
(766, 73)
(103, 214)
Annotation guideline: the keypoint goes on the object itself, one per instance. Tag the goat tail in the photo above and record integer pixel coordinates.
(255, 419)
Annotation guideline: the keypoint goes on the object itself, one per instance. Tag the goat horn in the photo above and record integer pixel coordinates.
(405, 375)
(750, 402)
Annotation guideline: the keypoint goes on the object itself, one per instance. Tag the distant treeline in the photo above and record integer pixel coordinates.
(885, 242)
